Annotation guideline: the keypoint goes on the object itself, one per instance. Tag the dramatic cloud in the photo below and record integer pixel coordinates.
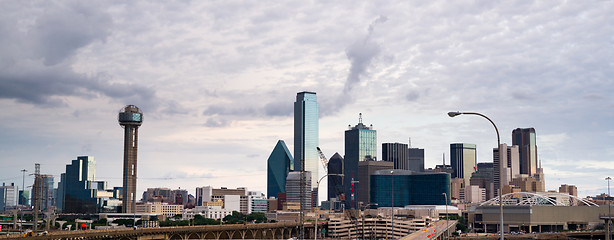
(217, 81)
(36, 65)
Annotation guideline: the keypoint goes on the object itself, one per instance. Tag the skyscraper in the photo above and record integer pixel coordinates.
(335, 183)
(47, 199)
(74, 194)
(505, 163)
(365, 170)
(293, 189)
(130, 118)
(397, 154)
(306, 115)
(278, 166)
(8, 196)
(416, 159)
(527, 148)
(360, 145)
(463, 158)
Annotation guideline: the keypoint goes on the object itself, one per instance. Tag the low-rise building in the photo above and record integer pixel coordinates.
(165, 209)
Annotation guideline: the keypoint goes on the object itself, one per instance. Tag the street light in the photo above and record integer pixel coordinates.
(454, 114)
(609, 213)
(318, 212)
(392, 203)
(445, 199)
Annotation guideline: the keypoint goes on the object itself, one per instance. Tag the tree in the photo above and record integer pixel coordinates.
(235, 218)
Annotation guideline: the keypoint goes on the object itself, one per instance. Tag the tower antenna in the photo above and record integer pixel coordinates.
(359, 117)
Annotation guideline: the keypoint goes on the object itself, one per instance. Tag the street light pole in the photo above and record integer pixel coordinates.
(445, 199)
(317, 208)
(609, 236)
(392, 203)
(454, 114)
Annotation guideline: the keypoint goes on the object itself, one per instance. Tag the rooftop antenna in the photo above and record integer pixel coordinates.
(444, 160)
(410, 142)
(359, 117)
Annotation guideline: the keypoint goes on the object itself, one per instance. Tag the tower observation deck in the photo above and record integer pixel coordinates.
(130, 118)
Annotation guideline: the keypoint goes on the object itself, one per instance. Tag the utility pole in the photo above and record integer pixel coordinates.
(302, 200)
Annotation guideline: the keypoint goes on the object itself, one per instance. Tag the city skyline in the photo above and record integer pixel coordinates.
(217, 82)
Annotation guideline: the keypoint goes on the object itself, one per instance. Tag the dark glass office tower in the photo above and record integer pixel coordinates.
(416, 159)
(360, 145)
(74, 191)
(397, 154)
(278, 166)
(463, 158)
(306, 134)
(527, 148)
(335, 183)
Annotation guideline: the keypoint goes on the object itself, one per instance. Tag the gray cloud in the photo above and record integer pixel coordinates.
(281, 108)
(360, 54)
(216, 123)
(36, 67)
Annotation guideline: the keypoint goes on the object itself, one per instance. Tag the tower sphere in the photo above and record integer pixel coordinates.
(130, 115)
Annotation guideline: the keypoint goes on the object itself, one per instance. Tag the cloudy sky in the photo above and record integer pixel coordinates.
(216, 81)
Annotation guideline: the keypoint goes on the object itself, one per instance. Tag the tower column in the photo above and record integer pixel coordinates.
(130, 118)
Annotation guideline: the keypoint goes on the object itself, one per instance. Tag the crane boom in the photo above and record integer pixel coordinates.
(323, 159)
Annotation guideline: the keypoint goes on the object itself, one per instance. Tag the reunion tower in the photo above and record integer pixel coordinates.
(130, 118)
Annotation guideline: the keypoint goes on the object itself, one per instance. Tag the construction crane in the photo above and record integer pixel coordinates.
(323, 160)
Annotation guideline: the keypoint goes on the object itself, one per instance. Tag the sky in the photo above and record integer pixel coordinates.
(216, 81)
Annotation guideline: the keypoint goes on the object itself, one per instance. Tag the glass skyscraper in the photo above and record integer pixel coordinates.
(360, 145)
(463, 158)
(335, 183)
(306, 134)
(278, 166)
(74, 191)
(527, 148)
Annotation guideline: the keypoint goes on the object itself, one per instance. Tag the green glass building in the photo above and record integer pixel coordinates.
(278, 166)
(400, 188)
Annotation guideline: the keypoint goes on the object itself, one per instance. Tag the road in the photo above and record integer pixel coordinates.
(432, 231)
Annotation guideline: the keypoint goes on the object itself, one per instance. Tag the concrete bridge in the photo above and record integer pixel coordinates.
(234, 231)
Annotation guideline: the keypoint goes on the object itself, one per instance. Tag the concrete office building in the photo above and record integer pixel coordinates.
(165, 209)
(8, 196)
(47, 197)
(473, 194)
(293, 189)
(415, 159)
(306, 135)
(525, 139)
(335, 183)
(569, 189)
(463, 158)
(130, 118)
(179, 196)
(278, 166)
(365, 170)
(507, 163)
(484, 178)
(158, 195)
(397, 153)
(360, 145)
(239, 199)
